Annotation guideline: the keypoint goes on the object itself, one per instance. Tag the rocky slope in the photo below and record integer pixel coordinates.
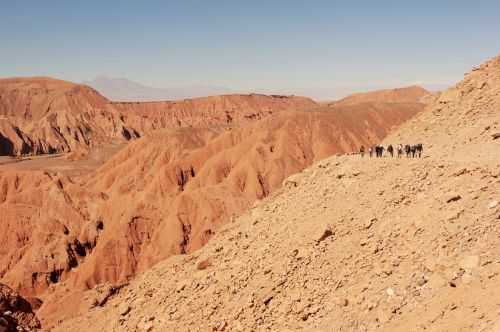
(350, 243)
(42, 115)
(166, 193)
(16, 313)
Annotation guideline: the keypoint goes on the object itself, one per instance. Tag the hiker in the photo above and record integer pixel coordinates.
(419, 149)
(400, 150)
(413, 151)
(379, 149)
(370, 151)
(407, 150)
(390, 149)
(362, 151)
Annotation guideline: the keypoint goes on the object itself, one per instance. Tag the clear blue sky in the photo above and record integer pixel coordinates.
(284, 46)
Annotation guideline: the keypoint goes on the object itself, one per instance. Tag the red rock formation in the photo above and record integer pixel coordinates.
(43, 115)
(226, 110)
(50, 115)
(163, 194)
(411, 94)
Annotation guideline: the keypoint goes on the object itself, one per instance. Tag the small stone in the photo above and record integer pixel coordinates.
(124, 309)
(180, 287)
(221, 326)
(148, 326)
(493, 204)
(390, 291)
(204, 264)
(268, 297)
(369, 223)
(453, 198)
(341, 302)
(421, 281)
(326, 233)
(460, 172)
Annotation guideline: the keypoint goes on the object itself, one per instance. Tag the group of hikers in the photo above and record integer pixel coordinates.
(410, 150)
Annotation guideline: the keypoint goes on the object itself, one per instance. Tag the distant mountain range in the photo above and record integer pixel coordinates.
(122, 89)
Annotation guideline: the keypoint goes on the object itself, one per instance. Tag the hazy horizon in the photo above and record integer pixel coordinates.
(324, 49)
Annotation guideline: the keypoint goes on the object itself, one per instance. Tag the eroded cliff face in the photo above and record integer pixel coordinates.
(44, 115)
(166, 193)
(189, 167)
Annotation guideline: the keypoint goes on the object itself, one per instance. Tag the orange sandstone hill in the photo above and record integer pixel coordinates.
(225, 110)
(42, 115)
(166, 193)
(411, 94)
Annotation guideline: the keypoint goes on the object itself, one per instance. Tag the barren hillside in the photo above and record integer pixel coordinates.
(226, 110)
(165, 193)
(42, 115)
(348, 244)
(411, 94)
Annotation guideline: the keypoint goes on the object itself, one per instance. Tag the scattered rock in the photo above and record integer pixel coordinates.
(326, 233)
(421, 281)
(461, 171)
(369, 223)
(341, 301)
(221, 326)
(204, 264)
(453, 197)
(493, 204)
(124, 309)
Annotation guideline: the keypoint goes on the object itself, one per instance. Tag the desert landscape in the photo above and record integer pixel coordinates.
(386, 244)
(177, 224)
(232, 166)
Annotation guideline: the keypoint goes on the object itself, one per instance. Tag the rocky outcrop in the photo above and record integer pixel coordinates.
(16, 313)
